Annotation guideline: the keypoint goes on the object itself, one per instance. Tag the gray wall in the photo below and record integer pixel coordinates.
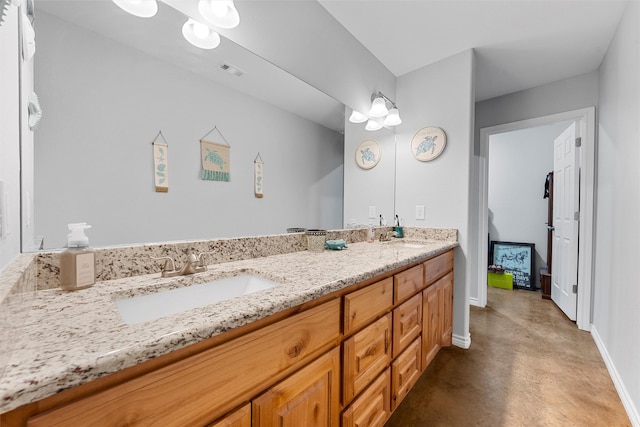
(616, 318)
(10, 134)
(440, 95)
(99, 169)
(519, 162)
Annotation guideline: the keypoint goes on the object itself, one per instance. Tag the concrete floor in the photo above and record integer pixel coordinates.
(528, 365)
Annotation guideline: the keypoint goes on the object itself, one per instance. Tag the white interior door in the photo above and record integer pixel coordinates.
(566, 204)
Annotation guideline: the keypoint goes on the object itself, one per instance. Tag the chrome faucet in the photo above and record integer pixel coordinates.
(192, 266)
(385, 237)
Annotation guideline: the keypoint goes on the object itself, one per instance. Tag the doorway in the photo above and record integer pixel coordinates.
(586, 118)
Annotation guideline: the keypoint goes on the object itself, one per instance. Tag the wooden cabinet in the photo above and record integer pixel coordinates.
(437, 267)
(198, 389)
(373, 407)
(446, 309)
(309, 397)
(365, 355)
(364, 305)
(405, 371)
(238, 418)
(407, 323)
(431, 332)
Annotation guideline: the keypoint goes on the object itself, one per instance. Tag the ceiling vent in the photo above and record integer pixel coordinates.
(232, 70)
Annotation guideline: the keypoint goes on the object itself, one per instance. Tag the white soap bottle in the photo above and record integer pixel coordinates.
(78, 262)
(371, 233)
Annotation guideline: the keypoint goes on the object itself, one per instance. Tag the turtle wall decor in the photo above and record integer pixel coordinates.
(428, 143)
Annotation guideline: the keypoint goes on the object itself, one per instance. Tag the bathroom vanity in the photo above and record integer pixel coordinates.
(339, 341)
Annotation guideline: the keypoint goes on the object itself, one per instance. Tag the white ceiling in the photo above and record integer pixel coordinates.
(519, 43)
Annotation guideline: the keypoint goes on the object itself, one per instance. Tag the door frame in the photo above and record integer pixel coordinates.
(587, 204)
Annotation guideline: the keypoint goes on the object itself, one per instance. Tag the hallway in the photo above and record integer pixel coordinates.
(528, 365)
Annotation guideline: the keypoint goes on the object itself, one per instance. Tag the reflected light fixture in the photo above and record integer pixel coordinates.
(357, 117)
(221, 13)
(141, 8)
(200, 35)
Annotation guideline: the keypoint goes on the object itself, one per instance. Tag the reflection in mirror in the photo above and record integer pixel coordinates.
(108, 82)
(370, 196)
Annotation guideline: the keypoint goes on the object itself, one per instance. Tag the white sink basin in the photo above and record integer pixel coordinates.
(164, 303)
(404, 244)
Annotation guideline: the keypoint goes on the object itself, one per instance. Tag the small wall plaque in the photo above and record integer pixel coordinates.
(428, 143)
(368, 154)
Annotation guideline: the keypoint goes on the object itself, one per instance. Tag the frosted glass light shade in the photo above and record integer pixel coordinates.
(393, 118)
(221, 13)
(378, 108)
(141, 8)
(373, 125)
(357, 117)
(200, 35)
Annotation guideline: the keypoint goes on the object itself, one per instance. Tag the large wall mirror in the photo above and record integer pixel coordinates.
(108, 82)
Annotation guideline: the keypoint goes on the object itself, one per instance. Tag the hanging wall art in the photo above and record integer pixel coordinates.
(161, 164)
(368, 154)
(216, 158)
(428, 143)
(258, 181)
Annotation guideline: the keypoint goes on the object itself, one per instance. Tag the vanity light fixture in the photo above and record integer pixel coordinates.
(383, 112)
(200, 35)
(141, 8)
(221, 13)
(357, 117)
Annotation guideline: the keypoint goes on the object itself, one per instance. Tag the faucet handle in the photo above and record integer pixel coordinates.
(169, 264)
(201, 257)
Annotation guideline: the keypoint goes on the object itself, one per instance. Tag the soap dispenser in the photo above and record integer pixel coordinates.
(77, 262)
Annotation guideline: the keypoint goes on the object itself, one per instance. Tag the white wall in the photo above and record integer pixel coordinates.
(519, 162)
(440, 95)
(10, 133)
(109, 182)
(616, 318)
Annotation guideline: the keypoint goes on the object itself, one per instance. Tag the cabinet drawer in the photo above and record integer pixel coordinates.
(373, 407)
(407, 323)
(405, 372)
(238, 418)
(364, 305)
(310, 397)
(408, 283)
(201, 388)
(436, 267)
(365, 355)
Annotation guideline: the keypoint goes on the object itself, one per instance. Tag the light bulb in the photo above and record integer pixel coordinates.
(378, 107)
(373, 125)
(141, 8)
(393, 118)
(200, 31)
(357, 117)
(219, 7)
(221, 13)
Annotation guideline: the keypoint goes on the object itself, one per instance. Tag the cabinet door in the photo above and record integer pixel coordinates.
(308, 398)
(407, 323)
(238, 418)
(373, 407)
(405, 372)
(431, 332)
(365, 355)
(446, 310)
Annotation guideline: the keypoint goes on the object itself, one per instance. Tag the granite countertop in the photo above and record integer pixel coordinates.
(70, 338)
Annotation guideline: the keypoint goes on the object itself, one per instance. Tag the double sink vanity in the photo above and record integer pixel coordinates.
(270, 334)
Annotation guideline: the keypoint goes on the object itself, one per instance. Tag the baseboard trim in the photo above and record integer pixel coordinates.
(632, 411)
(475, 302)
(462, 342)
